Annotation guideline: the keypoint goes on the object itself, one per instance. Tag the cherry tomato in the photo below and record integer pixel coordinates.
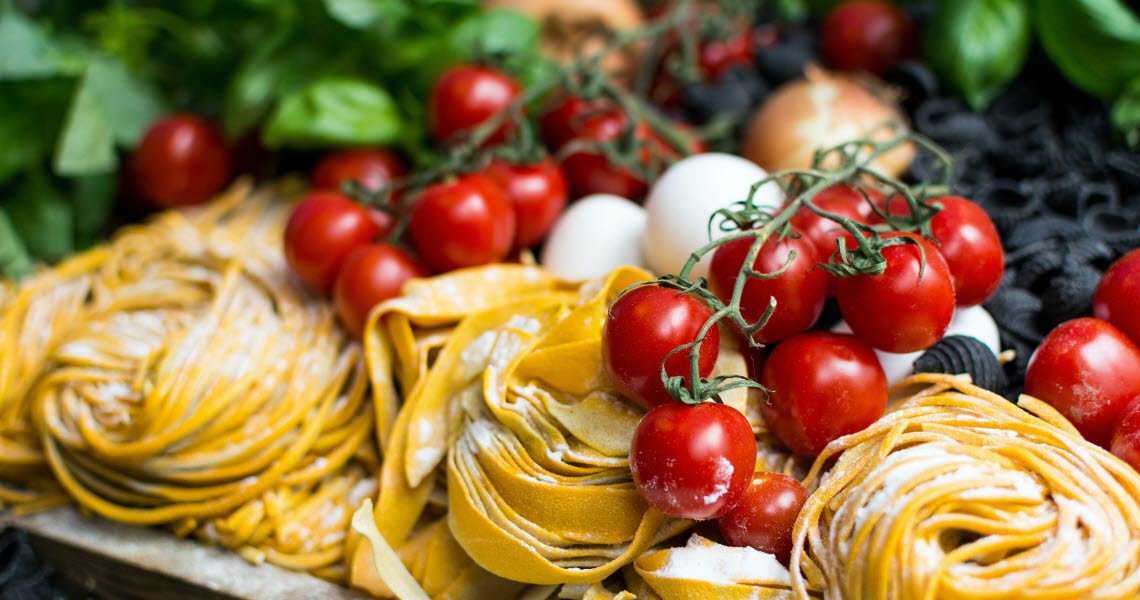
(715, 56)
(645, 324)
(371, 274)
(538, 194)
(1117, 294)
(693, 461)
(467, 95)
(1088, 370)
(799, 292)
(463, 223)
(907, 307)
(1126, 435)
(373, 168)
(823, 386)
(971, 245)
(563, 121)
(842, 200)
(867, 35)
(322, 230)
(766, 514)
(181, 160)
(590, 172)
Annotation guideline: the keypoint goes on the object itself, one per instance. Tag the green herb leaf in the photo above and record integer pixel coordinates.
(43, 217)
(1095, 43)
(15, 262)
(334, 111)
(388, 16)
(129, 104)
(1126, 114)
(47, 100)
(978, 46)
(87, 145)
(27, 52)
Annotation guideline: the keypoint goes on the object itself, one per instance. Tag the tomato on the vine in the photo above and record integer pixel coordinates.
(590, 171)
(842, 200)
(1117, 294)
(563, 121)
(715, 56)
(538, 194)
(181, 160)
(766, 514)
(867, 35)
(373, 168)
(1088, 370)
(321, 231)
(1126, 436)
(693, 461)
(371, 274)
(906, 308)
(823, 386)
(645, 324)
(462, 223)
(799, 291)
(467, 95)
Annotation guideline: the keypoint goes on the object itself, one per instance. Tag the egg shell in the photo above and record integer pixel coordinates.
(595, 235)
(973, 321)
(686, 195)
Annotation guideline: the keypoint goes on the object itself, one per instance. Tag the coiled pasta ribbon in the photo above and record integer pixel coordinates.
(960, 494)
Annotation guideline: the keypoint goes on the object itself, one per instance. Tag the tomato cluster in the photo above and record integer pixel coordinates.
(1089, 368)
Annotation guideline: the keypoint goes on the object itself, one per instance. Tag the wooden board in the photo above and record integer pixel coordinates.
(123, 562)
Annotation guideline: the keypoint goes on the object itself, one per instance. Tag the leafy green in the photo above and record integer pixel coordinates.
(15, 262)
(128, 104)
(1126, 114)
(334, 111)
(978, 46)
(93, 199)
(87, 145)
(1095, 43)
(36, 131)
(27, 52)
(386, 15)
(43, 217)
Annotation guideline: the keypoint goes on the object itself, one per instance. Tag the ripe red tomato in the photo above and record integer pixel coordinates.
(799, 292)
(867, 35)
(563, 121)
(1117, 294)
(645, 324)
(842, 200)
(1088, 370)
(371, 274)
(590, 172)
(463, 223)
(693, 461)
(373, 168)
(717, 55)
(824, 385)
(900, 310)
(467, 95)
(181, 160)
(538, 194)
(1126, 435)
(322, 230)
(765, 515)
(972, 248)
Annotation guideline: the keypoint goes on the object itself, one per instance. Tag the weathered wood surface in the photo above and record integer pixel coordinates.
(123, 562)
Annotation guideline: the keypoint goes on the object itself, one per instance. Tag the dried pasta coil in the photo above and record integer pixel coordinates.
(958, 493)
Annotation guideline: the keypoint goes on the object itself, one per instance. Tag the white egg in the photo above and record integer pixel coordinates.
(686, 195)
(595, 235)
(973, 321)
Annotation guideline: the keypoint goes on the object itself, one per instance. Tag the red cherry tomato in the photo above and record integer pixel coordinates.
(538, 194)
(463, 223)
(693, 461)
(1088, 370)
(1117, 294)
(645, 324)
(715, 56)
(563, 121)
(322, 230)
(866, 35)
(971, 245)
(1126, 435)
(590, 172)
(181, 160)
(467, 95)
(842, 200)
(824, 385)
(766, 514)
(371, 274)
(799, 292)
(900, 310)
(373, 168)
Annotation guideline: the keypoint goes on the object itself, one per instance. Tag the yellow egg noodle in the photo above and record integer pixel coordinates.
(177, 376)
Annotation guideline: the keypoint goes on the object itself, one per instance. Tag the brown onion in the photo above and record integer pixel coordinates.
(820, 111)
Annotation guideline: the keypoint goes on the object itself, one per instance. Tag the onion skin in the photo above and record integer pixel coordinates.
(821, 111)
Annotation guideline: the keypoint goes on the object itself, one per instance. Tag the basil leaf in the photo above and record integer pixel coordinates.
(15, 262)
(978, 46)
(27, 52)
(87, 145)
(46, 99)
(334, 112)
(1126, 114)
(1095, 43)
(130, 105)
(388, 16)
(43, 217)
